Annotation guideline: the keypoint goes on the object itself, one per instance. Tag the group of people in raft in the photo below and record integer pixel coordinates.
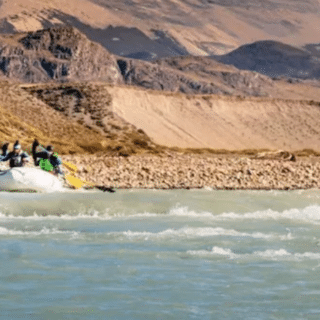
(46, 158)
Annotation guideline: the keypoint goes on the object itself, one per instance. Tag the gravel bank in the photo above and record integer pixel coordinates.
(198, 171)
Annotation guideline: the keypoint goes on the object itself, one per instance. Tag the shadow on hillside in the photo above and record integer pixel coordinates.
(5, 26)
(275, 59)
(126, 42)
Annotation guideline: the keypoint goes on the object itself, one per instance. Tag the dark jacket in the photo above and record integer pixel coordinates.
(15, 159)
(55, 161)
(4, 154)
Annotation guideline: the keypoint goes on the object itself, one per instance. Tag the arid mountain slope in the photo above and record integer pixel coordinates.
(55, 54)
(220, 122)
(73, 120)
(86, 96)
(90, 104)
(99, 117)
(275, 59)
(65, 54)
(201, 27)
(226, 79)
(25, 117)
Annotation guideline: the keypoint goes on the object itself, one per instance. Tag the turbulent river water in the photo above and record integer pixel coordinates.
(146, 254)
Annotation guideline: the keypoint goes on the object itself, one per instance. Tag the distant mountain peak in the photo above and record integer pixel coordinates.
(274, 59)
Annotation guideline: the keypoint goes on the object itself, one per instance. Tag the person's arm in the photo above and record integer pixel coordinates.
(59, 162)
(56, 163)
(58, 170)
(34, 152)
(6, 158)
(5, 149)
(25, 157)
(41, 155)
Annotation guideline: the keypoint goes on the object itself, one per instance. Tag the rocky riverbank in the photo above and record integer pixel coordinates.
(199, 171)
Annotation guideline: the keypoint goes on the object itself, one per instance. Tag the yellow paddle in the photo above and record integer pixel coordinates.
(78, 183)
(70, 166)
(70, 178)
(74, 181)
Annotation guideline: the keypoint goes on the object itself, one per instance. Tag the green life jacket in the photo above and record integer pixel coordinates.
(45, 165)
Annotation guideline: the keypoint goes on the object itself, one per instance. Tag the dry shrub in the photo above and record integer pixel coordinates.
(93, 147)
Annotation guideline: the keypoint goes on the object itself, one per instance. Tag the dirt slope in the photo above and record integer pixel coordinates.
(220, 122)
(99, 117)
(25, 117)
(90, 105)
(76, 118)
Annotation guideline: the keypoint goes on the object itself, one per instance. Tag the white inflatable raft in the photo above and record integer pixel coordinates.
(29, 180)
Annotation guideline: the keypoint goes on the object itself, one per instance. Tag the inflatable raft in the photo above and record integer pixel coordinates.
(29, 180)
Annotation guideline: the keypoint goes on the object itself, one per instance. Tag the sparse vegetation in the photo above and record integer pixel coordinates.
(307, 153)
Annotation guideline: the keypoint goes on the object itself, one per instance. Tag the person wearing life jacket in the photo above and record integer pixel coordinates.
(4, 150)
(17, 157)
(47, 159)
(4, 154)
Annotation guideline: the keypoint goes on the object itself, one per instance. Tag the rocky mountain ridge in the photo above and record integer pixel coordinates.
(64, 54)
(275, 59)
(60, 53)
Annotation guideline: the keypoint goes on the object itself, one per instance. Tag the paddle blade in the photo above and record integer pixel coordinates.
(73, 181)
(104, 189)
(70, 166)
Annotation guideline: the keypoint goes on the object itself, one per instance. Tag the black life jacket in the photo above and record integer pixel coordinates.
(16, 161)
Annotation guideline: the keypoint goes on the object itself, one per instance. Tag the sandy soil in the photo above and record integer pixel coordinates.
(220, 122)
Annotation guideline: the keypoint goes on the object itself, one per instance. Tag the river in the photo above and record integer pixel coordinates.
(152, 254)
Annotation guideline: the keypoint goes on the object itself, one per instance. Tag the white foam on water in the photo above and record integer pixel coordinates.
(270, 254)
(215, 251)
(122, 216)
(188, 232)
(185, 212)
(35, 217)
(286, 237)
(43, 231)
(273, 254)
(310, 214)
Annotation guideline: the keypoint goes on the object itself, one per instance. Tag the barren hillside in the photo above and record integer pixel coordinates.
(64, 54)
(220, 122)
(166, 28)
(61, 53)
(99, 117)
(91, 91)
(275, 59)
(69, 120)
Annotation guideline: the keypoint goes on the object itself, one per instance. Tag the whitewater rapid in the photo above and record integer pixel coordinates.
(175, 254)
